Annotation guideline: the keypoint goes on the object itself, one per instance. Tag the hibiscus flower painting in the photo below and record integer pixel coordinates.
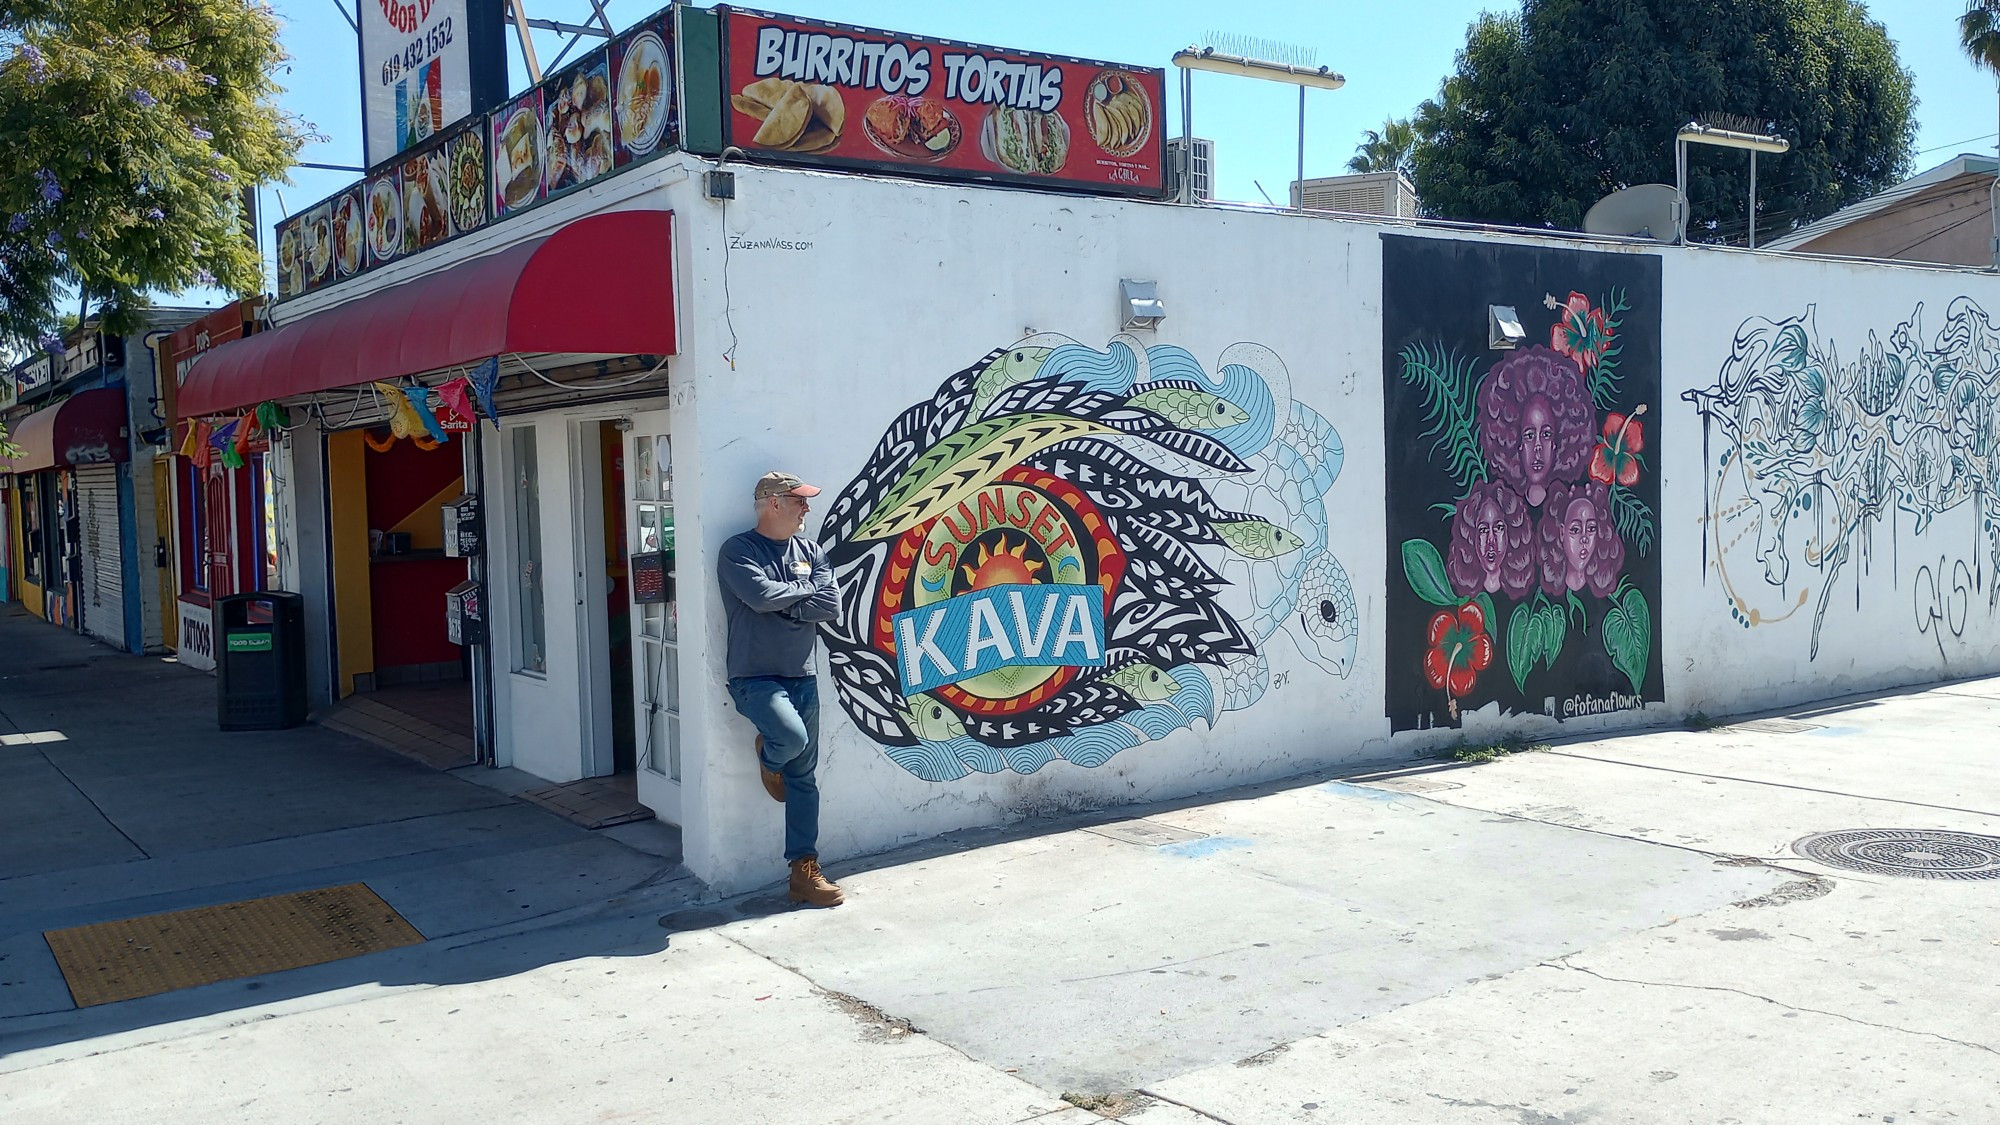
(1522, 510)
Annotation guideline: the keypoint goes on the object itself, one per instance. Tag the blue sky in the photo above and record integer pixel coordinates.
(1394, 55)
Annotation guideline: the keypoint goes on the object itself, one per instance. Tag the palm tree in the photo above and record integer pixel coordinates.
(1979, 34)
(1388, 149)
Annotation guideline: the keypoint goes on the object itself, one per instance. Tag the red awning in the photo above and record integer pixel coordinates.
(87, 428)
(600, 285)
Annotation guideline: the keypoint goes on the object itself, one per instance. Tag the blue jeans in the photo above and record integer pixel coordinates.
(785, 711)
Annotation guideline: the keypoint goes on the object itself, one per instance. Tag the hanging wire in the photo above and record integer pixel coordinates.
(632, 382)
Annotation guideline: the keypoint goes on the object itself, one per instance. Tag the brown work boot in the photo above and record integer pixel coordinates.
(774, 782)
(809, 884)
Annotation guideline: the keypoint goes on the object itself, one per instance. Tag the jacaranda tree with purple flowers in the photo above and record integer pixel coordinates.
(128, 130)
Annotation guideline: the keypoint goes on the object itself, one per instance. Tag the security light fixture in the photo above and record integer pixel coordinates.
(1698, 134)
(1139, 304)
(1244, 66)
(1503, 328)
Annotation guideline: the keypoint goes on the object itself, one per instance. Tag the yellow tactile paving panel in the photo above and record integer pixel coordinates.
(134, 957)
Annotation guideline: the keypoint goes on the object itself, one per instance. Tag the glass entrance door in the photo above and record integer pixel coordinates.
(649, 528)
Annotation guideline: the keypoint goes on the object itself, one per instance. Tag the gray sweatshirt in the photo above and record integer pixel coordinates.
(772, 593)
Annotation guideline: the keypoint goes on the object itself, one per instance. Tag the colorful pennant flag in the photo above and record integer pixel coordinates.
(273, 416)
(485, 380)
(455, 398)
(420, 405)
(403, 420)
(198, 437)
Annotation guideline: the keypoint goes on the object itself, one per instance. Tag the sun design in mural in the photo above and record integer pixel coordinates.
(1002, 566)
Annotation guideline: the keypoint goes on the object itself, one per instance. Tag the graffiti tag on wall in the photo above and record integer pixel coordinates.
(1811, 454)
(1065, 552)
(1521, 504)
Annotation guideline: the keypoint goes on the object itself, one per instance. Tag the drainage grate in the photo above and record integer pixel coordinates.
(1147, 833)
(1917, 853)
(1776, 726)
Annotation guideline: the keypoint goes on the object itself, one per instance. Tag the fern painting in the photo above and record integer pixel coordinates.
(1522, 485)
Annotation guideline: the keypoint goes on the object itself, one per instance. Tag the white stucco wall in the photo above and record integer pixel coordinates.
(1906, 607)
(845, 300)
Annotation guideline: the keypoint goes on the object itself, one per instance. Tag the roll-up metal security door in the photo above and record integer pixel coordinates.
(103, 560)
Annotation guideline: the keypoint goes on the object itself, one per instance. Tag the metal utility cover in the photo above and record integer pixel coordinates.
(1916, 853)
(110, 961)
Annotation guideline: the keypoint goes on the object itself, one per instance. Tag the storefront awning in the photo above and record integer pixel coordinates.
(84, 429)
(600, 285)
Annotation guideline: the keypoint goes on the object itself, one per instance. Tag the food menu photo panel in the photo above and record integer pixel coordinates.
(576, 138)
(643, 89)
(820, 93)
(291, 278)
(350, 232)
(384, 216)
(515, 154)
(426, 212)
(316, 245)
(466, 157)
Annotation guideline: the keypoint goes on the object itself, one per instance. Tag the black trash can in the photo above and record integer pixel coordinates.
(260, 661)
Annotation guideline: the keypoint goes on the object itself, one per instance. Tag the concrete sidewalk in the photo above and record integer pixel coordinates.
(119, 797)
(1614, 930)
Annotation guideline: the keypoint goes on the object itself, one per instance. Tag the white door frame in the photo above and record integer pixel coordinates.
(654, 721)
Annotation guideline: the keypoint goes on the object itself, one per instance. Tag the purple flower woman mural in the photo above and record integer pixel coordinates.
(1536, 421)
(1492, 544)
(1580, 546)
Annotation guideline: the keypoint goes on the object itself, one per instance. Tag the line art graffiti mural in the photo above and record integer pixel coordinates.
(1521, 505)
(1065, 552)
(1811, 454)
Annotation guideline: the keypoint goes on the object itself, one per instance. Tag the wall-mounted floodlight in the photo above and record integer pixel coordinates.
(1503, 328)
(1243, 66)
(1139, 304)
(1698, 134)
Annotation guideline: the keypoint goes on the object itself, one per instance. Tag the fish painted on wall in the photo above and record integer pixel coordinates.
(1808, 454)
(1065, 552)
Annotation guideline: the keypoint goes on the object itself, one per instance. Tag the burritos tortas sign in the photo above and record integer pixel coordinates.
(1067, 552)
(853, 97)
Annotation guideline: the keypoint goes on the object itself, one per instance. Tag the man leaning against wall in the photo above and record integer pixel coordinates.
(776, 586)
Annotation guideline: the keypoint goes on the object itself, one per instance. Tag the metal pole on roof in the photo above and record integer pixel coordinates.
(1753, 199)
(1302, 148)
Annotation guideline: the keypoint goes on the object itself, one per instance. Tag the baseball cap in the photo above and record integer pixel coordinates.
(783, 484)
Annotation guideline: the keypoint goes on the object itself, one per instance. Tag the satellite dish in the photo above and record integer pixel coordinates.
(1646, 211)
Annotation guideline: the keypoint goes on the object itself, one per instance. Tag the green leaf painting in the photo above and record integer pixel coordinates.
(1424, 567)
(1633, 518)
(1628, 634)
(1446, 380)
(1536, 634)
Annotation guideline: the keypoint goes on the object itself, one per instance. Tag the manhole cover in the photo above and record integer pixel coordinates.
(1915, 853)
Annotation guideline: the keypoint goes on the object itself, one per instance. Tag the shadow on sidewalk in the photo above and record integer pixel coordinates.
(120, 798)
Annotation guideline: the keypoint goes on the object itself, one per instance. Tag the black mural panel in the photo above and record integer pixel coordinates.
(1523, 489)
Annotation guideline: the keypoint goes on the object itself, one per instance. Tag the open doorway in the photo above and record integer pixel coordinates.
(617, 598)
(398, 665)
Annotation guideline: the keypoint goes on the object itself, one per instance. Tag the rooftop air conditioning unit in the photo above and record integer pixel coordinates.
(1201, 172)
(1370, 193)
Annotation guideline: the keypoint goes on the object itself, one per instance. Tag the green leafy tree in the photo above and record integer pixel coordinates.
(1552, 108)
(1386, 149)
(1979, 33)
(128, 130)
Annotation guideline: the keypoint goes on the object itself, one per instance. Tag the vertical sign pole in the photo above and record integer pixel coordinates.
(1753, 199)
(1302, 149)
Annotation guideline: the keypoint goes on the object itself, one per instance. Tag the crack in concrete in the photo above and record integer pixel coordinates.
(1563, 963)
(1529, 1115)
(1197, 1111)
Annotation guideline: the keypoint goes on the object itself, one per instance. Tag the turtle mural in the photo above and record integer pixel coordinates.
(1065, 552)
